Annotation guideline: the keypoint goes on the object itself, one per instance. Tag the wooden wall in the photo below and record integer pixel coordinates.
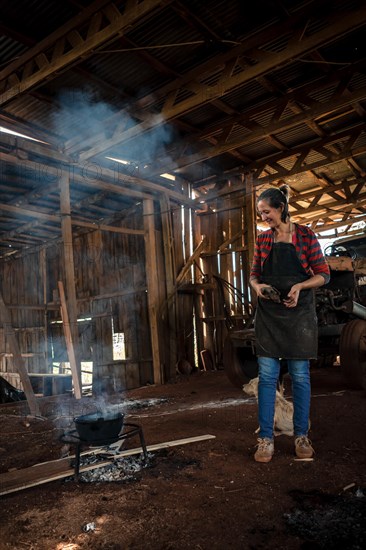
(200, 267)
(225, 302)
(110, 283)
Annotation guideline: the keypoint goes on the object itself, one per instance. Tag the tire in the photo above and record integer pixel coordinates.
(352, 350)
(240, 364)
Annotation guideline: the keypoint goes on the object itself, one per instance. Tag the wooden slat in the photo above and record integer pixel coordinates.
(18, 360)
(69, 342)
(39, 474)
(195, 255)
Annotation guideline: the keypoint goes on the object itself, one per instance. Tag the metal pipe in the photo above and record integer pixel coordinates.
(354, 307)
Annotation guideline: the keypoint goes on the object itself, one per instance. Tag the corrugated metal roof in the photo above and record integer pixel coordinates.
(85, 103)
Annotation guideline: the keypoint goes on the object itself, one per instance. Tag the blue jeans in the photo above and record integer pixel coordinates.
(269, 370)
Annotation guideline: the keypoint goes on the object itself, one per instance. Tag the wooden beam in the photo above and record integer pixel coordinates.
(190, 261)
(208, 151)
(76, 376)
(69, 271)
(216, 253)
(99, 178)
(266, 61)
(302, 94)
(231, 240)
(331, 208)
(110, 228)
(30, 213)
(333, 225)
(250, 217)
(302, 152)
(104, 22)
(169, 260)
(152, 286)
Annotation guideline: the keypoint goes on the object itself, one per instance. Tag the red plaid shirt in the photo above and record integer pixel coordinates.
(307, 249)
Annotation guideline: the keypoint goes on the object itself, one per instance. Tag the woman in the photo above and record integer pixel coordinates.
(287, 259)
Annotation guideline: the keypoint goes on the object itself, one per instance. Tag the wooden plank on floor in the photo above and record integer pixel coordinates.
(45, 472)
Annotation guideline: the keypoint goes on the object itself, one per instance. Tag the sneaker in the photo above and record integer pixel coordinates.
(303, 448)
(265, 450)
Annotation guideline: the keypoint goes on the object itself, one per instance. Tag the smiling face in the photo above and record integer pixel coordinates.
(269, 214)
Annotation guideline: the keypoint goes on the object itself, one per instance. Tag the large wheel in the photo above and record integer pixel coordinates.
(352, 350)
(239, 362)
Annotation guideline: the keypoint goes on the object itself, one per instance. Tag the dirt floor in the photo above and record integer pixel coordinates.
(206, 495)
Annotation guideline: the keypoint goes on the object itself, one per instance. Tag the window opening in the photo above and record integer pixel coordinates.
(119, 344)
(63, 367)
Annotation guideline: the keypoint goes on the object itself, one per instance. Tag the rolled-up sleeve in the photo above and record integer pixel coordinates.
(317, 260)
(255, 271)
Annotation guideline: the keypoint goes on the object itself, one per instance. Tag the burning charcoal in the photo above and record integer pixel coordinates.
(122, 469)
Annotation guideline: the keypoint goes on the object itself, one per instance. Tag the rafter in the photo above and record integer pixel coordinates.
(103, 20)
(229, 74)
(95, 177)
(299, 155)
(337, 80)
(331, 209)
(319, 109)
(27, 228)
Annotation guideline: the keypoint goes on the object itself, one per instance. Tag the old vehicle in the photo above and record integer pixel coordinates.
(341, 313)
(341, 308)
(8, 393)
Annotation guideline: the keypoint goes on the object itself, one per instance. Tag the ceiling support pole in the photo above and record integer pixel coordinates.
(69, 272)
(152, 286)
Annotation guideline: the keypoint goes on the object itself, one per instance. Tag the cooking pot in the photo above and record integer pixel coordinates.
(99, 428)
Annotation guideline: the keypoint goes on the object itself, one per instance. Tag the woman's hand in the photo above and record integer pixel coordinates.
(258, 288)
(293, 296)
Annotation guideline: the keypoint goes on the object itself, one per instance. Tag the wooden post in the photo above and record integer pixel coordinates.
(43, 276)
(169, 260)
(250, 216)
(69, 266)
(208, 229)
(152, 285)
(18, 359)
(96, 308)
(250, 231)
(69, 342)
(198, 303)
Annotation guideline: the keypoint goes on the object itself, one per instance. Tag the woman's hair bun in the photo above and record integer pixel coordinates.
(285, 190)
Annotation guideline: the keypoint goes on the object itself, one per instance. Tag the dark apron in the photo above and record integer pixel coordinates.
(288, 333)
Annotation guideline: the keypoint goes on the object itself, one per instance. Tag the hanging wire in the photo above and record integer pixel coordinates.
(173, 45)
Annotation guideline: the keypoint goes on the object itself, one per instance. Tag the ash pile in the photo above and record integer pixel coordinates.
(329, 521)
(124, 469)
